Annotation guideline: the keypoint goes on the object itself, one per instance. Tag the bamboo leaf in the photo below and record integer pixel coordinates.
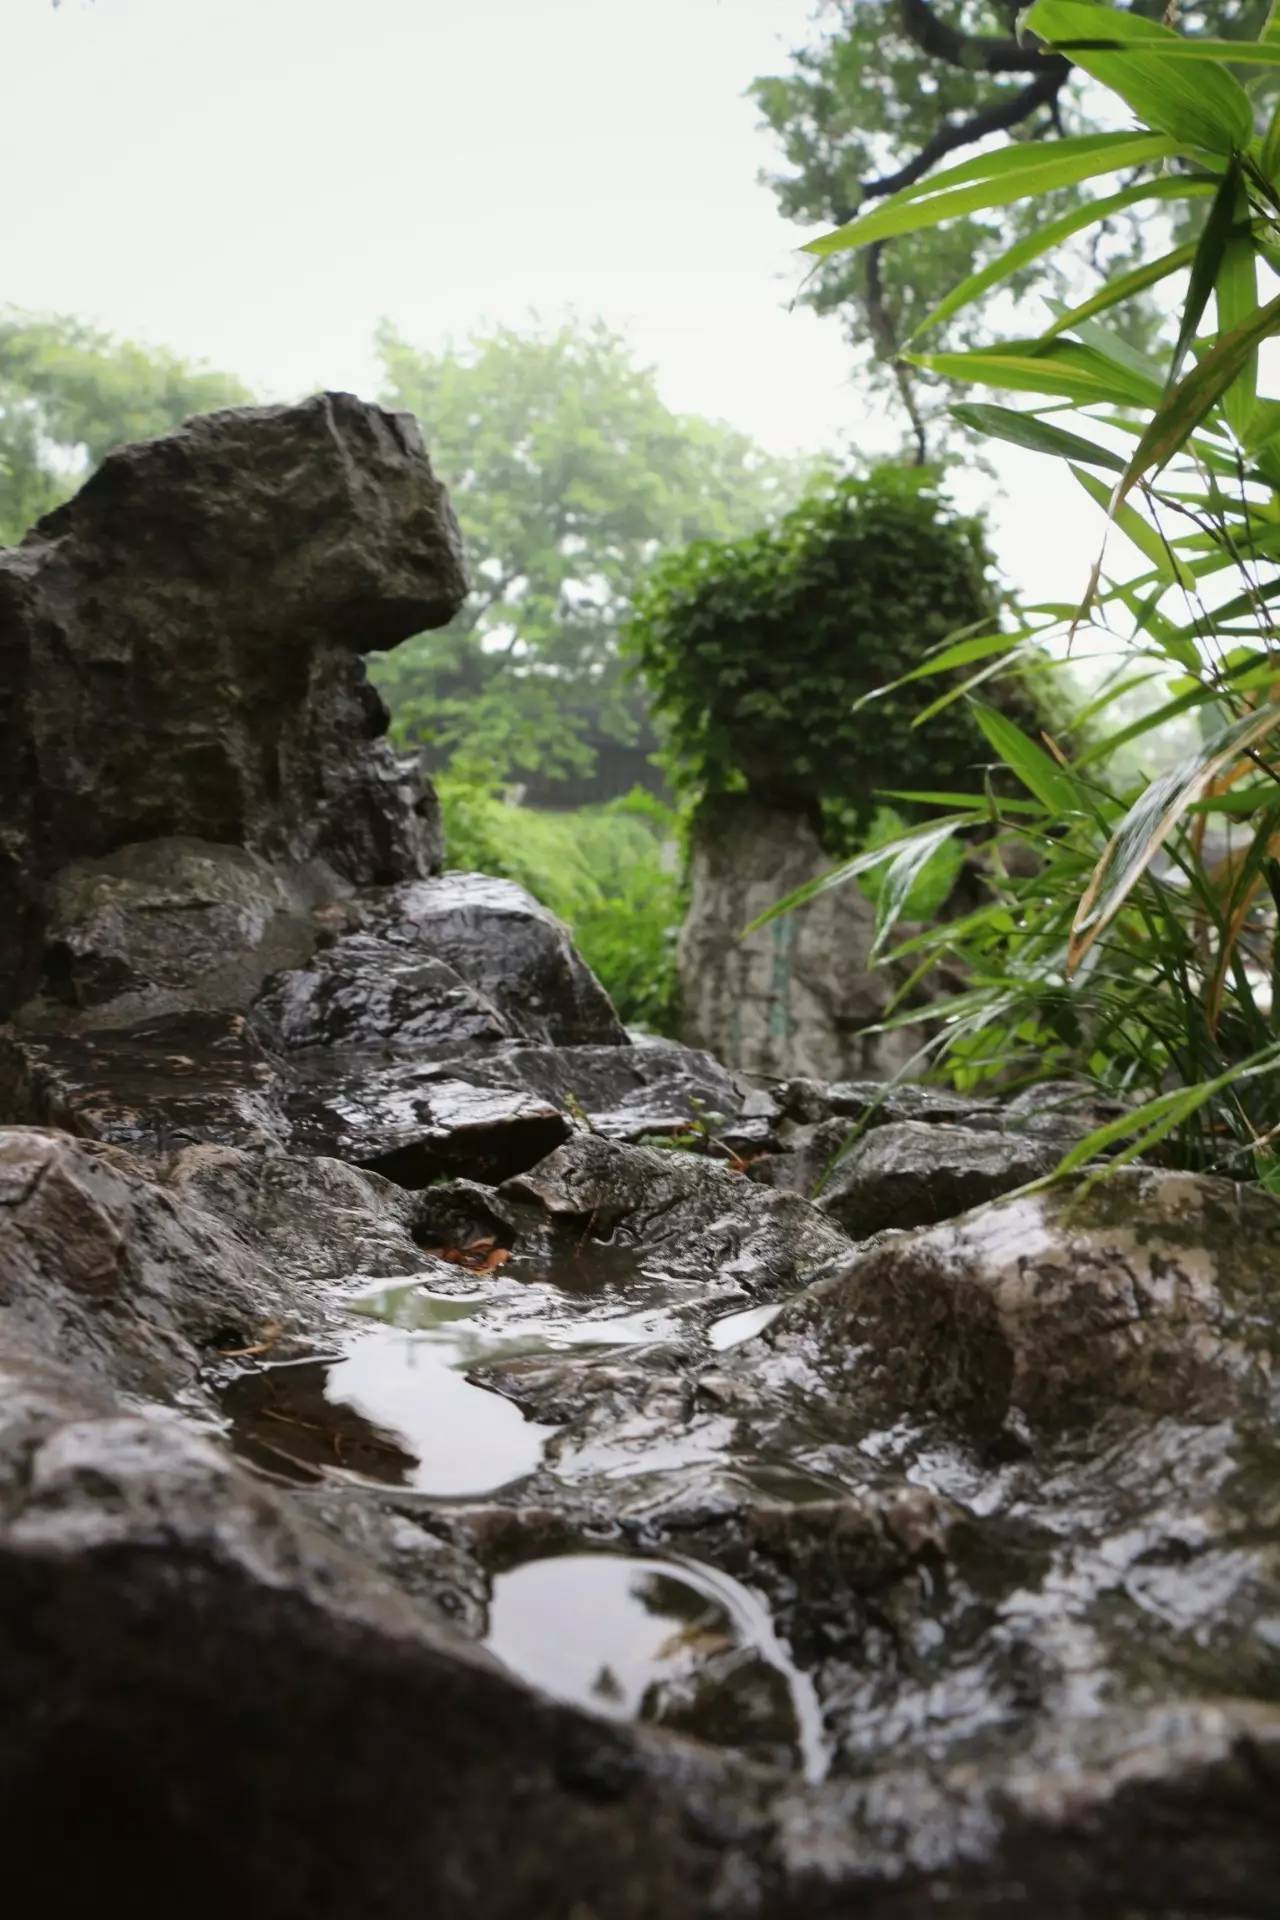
(1236, 53)
(1040, 774)
(1264, 426)
(1144, 536)
(1182, 411)
(1151, 820)
(1209, 108)
(957, 800)
(850, 869)
(1237, 289)
(904, 870)
(1046, 238)
(1125, 285)
(1064, 368)
(1270, 156)
(1029, 430)
(1029, 170)
(1204, 272)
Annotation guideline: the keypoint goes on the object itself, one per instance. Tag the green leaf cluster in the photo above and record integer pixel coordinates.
(758, 651)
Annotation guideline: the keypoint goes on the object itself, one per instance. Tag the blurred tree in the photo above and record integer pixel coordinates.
(569, 474)
(69, 393)
(890, 90)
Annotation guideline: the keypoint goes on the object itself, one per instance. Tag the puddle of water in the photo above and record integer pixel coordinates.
(514, 1317)
(587, 1266)
(666, 1641)
(734, 1328)
(395, 1408)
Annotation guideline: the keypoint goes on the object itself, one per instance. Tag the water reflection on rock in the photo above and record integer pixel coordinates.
(665, 1641)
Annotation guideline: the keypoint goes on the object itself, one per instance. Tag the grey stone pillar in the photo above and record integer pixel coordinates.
(797, 996)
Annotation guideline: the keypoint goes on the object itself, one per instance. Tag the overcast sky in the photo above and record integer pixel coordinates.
(256, 182)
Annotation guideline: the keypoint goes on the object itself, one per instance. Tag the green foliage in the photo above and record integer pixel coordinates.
(931, 883)
(68, 394)
(568, 474)
(1140, 944)
(756, 650)
(607, 872)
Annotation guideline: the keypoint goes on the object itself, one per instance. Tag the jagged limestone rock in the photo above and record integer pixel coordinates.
(180, 652)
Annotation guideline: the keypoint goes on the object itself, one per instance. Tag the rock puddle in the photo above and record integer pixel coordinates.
(394, 1403)
(665, 1641)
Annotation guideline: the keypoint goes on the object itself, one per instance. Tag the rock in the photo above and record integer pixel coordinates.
(307, 1222)
(368, 990)
(507, 948)
(1151, 1292)
(101, 1271)
(875, 1103)
(173, 1636)
(1148, 1813)
(798, 996)
(168, 926)
(813, 1126)
(795, 1159)
(626, 1093)
(182, 642)
(688, 1211)
(911, 1174)
(415, 1128)
(150, 1087)
(1064, 1110)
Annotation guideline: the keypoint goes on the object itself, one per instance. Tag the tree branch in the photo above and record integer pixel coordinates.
(973, 52)
(1010, 109)
(998, 116)
(885, 336)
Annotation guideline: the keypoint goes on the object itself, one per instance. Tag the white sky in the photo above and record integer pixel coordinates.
(256, 182)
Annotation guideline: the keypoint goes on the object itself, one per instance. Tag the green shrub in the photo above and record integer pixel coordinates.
(607, 872)
(756, 650)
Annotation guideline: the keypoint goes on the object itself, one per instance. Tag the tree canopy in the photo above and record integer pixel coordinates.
(888, 91)
(69, 393)
(568, 473)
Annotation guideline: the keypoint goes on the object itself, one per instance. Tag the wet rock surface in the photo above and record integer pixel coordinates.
(911, 1173)
(168, 926)
(458, 1458)
(182, 646)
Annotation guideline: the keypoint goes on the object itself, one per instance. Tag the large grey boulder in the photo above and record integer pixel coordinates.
(173, 1637)
(180, 652)
(458, 959)
(507, 947)
(1148, 1295)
